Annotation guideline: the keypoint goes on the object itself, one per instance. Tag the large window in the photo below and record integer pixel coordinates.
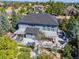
(53, 29)
(47, 28)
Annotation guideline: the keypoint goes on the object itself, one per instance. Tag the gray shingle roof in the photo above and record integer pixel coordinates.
(39, 18)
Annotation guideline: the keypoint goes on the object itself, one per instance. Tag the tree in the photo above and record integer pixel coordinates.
(8, 48)
(4, 22)
(57, 8)
(72, 28)
(22, 10)
(24, 55)
(76, 34)
(25, 52)
(67, 52)
(14, 20)
(16, 5)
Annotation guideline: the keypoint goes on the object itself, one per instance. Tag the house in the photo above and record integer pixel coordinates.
(70, 10)
(1, 4)
(33, 23)
(38, 8)
(8, 9)
(39, 28)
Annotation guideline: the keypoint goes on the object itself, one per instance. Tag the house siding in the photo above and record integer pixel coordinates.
(47, 28)
(49, 31)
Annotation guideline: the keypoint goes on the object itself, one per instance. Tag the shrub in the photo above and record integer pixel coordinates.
(25, 49)
(24, 55)
(44, 56)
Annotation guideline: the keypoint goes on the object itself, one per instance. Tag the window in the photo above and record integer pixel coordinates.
(52, 29)
(43, 28)
(48, 28)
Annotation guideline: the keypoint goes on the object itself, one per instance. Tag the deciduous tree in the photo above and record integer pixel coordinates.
(8, 48)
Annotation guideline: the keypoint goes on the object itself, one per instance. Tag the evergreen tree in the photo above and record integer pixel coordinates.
(72, 28)
(14, 20)
(67, 52)
(4, 23)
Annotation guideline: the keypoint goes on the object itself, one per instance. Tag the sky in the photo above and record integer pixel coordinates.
(44, 0)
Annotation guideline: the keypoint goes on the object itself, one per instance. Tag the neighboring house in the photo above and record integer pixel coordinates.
(70, 10)
(8, 9)
(1, 3)
(38, 8)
